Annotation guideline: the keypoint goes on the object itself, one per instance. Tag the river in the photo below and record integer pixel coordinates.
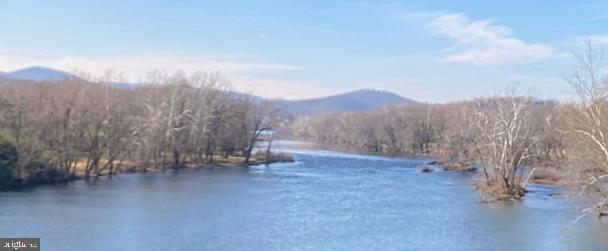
(323, 201)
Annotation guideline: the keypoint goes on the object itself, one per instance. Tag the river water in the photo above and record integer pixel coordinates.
(323, 201)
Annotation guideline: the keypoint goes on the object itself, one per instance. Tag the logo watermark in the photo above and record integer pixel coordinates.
(20, 244)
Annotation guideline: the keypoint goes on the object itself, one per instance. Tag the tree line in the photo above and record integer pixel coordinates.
(508, 136)
(86, 126)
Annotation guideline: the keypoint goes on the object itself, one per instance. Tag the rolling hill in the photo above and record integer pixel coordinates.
(360, 100)
(44, 74)
(38, 73)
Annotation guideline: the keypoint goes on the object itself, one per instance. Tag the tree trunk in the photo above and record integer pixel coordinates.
(268, 152)
(248, 154)
(176, 162)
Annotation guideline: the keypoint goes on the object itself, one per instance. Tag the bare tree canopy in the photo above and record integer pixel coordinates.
(89, 126)
(511, 137)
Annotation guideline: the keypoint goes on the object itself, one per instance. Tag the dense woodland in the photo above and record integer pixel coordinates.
(85, 128)
(509, 137)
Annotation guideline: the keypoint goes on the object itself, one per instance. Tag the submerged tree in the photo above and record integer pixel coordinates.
(504, 140)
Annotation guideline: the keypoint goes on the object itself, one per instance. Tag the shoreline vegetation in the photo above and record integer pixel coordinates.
(512, 138)
(126, 167)
(541, 175)
(86, 127)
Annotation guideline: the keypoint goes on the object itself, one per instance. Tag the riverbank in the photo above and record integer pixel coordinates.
(533, 173)
(342, 197)
(52, 176)
(542, 175)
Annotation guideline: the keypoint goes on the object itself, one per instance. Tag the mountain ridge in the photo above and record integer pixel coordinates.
(38, 73)
(357, 100)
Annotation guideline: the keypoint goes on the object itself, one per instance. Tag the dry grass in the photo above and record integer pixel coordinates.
(546, 176)
(449, 165)
(261, 159)
(126, 166)
(492, 191)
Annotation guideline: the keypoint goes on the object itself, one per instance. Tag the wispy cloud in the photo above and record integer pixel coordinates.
(600, 39)
(240, 73)
(136, 67)
(483, 43)
(280, 88)
(536, 79)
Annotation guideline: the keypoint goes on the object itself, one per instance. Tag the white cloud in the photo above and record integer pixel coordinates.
(484, 43)
(278, 88)
(240, 73)
(596, 39)
(137, 67)
(537, 79)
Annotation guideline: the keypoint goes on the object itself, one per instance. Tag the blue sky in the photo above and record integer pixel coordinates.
(435, 51)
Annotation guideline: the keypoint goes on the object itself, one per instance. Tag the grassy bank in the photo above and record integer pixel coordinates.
(125, 166)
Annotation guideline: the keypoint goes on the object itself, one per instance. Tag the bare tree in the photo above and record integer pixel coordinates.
(505, 140)
(260, 117)
(588, 118)
(88, 126)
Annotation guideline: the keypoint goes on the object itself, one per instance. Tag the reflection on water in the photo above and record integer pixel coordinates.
(323, 201)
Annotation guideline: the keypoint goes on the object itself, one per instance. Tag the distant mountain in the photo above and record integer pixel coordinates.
(360, 100)
(38, 73)
(44, 74)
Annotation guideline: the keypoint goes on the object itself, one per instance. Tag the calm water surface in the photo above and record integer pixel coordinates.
(324, 201)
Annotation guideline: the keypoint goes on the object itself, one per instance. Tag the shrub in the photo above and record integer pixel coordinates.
(8, 161)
